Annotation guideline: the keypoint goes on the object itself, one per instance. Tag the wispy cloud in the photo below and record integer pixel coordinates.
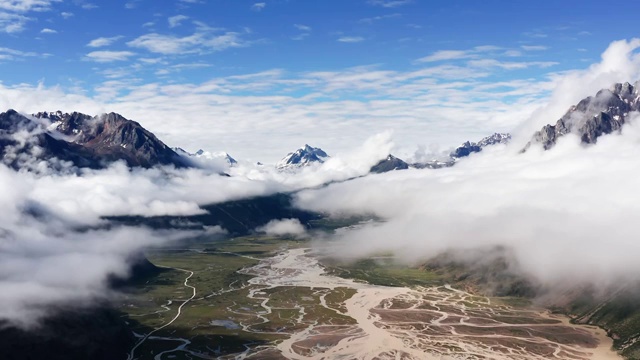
(12, 23)
(23, 6)
(202, 41)
(510, 65)
(258, 6)
(441, 55)
(12, 54)
(103, 41)
(371, 20)
(302, 27)
(176, 20)
(48, 31)
(351, 39)
(390, 3)
(534, 47)
(475, 52)
(106, 56)
(66, 14)
(306, 31)
(536, 34)
(14, 13)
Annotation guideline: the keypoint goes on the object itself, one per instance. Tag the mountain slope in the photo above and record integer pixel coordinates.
(468, 147)
(202, 155)
(592, 117)
(111, 137)
(389, 164)
(304, 156)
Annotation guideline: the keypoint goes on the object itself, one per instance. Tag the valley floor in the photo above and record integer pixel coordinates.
(261, 298)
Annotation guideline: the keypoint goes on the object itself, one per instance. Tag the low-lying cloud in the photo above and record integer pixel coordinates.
(567, 213)
(283, 227)
(56, 249)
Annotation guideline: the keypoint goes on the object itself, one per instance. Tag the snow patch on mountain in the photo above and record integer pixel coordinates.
(304, 156)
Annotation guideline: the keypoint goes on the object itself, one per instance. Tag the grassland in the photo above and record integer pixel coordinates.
(216, 319)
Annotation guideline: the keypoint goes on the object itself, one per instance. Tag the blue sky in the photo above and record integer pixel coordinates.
(220, 56)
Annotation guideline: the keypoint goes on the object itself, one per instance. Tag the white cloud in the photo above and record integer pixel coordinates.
(371, 20)
(283, 227)
(13, 13)
(258, 6)
(390, 3)
(351, 39)
(300, 36)
(109, 56)
(444, 55)
(23, 6)
(441, 55)
(565, 214)
(536, 34)
(510, 65)
(48, 31)
(202, 40)
(12, 54)
(176, 20)
(66, 15)
(534, 47)
(12, 23)
(103, 41)
(302, 27)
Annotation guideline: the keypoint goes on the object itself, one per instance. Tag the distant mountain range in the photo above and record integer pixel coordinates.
(206, 155)
(308, 155)
(96, 141)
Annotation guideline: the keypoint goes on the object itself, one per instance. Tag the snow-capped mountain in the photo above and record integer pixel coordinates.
(207, 156)
(389, 164)
(466, 149)
(593, 116)
(470, 147)
(80, 139)
(304, 156)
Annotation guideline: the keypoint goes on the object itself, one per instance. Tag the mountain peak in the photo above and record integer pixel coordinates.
(593, 116)
(468, 147)
(390, 163)
(304, 156)
(206, 155)
(90, 141)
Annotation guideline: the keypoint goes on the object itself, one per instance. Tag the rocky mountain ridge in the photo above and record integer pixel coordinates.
(592, 117)
(111, 137)
(303, 156)
(207, 155)
(80, 140)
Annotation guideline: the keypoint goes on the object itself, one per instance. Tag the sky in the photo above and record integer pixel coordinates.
(260, 79)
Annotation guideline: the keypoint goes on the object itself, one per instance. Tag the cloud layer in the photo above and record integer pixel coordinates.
(566, 214)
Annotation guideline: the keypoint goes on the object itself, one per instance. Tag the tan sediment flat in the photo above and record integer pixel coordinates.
(421, 323)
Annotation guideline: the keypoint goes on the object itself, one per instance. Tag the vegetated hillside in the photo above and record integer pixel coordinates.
(238, 217)
(491, 272)
(616, 310)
